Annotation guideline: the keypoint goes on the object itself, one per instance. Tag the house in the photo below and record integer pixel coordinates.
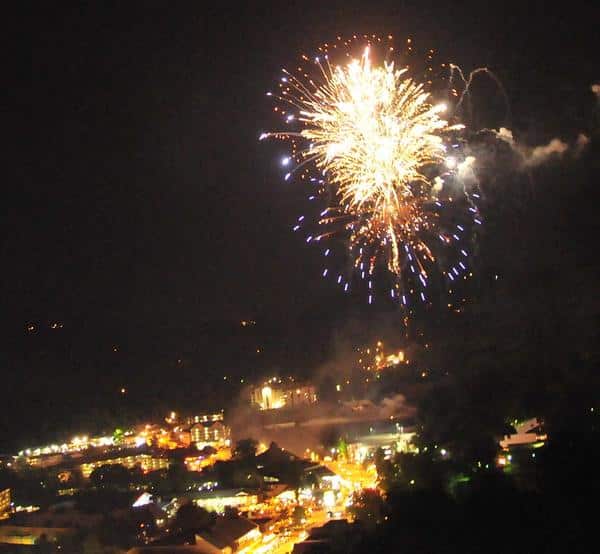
(265, 524)
(321, 540)
(229, 534)
(528, 432)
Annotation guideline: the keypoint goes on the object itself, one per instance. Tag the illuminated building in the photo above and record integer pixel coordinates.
(217, 500)
(528, 432)
(323, 477)
(4, 503)
(183, 438)
(148, 434)
(166, 441)
(101, 441)
(198, 463)
(147, 462)
(178, 437)
(172, 418)
(129, 440)
(205, 418)
(45, 460)
(273, 395)
(64, 476)
(363, 447)
(213, 433)
(47, 456)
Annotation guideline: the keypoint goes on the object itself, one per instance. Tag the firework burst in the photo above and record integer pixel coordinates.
(381, 153)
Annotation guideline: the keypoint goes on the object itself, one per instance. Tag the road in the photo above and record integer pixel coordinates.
(354, 477)
(283, 543)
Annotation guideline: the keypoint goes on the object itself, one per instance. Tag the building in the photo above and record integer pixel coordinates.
(336, 535)
(4, 503)
(205, 418)
(45, 460)
(147, 462)
(266, 524)
(226, 536)
(275, 394)
(229, 534)
(171, 549)
(217, 500)
(17, 534)
(169, 440)
(528, 432)
(210, 433)
(63, 515)
(363, 447)
(323, 476)
(207, 457)
(313, 546)
(52, 524)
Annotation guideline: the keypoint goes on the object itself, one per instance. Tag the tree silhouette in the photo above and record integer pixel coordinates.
(298, 515)
(245, 448)
(190, 517)
(111, 476)
(368, 507)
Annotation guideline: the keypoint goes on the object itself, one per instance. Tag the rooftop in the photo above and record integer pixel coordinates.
(224, 493)
(227, 530)
(169, 548)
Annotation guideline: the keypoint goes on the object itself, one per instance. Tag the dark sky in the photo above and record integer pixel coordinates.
(140, 210)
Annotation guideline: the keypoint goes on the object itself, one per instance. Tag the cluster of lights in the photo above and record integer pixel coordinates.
(54, 325)
(120, 438)
(271, 395)
(76, 444)
(375, 359)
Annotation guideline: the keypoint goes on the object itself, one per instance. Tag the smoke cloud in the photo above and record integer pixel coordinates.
(538, 155)
(466, 171)
(581, 143)
(393, 406)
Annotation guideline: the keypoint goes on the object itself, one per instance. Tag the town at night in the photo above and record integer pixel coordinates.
(300, 278)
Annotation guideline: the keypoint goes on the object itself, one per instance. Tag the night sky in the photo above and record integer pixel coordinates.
(141, 212)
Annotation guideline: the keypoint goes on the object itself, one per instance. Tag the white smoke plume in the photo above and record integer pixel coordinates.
(581, 143)
(538, 155)
(465, 171)
(506, 135)
(394, 406)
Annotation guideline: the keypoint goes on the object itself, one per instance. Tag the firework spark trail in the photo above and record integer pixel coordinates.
(468, 81)
(380, 144)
